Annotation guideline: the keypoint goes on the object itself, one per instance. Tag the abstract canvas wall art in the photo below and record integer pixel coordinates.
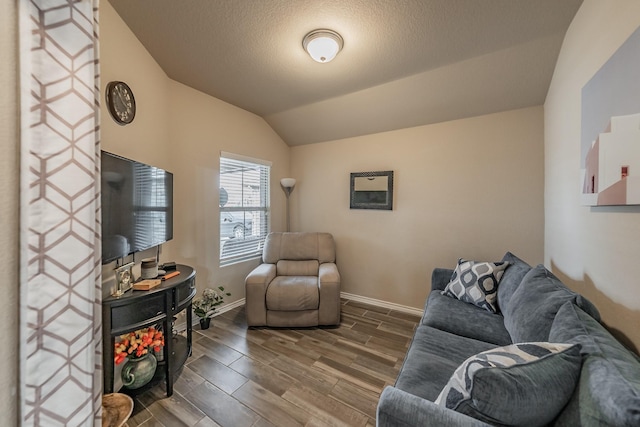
(610, 134)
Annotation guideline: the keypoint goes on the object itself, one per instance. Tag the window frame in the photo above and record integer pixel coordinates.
(248, 248)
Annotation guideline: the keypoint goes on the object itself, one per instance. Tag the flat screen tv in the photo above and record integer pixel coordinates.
(137, 206)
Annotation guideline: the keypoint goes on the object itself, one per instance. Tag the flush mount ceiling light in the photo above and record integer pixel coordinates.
(322, 45)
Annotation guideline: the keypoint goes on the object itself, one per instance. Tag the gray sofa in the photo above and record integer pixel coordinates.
(534, 306)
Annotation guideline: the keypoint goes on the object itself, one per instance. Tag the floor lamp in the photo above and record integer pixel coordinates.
(287, 185)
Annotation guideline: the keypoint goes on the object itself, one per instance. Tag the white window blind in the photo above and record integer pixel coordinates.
(244, 207)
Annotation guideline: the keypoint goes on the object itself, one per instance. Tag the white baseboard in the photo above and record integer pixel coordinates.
(230, 306)
(195, 320)
(384, 304)
(345, 295)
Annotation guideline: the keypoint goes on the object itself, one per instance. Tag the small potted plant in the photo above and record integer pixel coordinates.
(205, 307)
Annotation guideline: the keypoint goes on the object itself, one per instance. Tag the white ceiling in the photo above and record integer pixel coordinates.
(404, 62)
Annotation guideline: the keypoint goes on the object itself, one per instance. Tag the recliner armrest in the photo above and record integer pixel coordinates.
(255, 286)
(328, 273)
(329, 286)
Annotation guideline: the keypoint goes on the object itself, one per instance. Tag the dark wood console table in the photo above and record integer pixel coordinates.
(140, 309)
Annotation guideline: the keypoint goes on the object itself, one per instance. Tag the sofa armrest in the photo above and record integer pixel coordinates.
(256, 287)
(398, 408)
(440, 278)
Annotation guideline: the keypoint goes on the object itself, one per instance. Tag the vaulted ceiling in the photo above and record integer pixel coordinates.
(404, 63)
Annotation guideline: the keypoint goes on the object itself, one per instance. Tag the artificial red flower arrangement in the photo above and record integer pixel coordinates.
(137, 343)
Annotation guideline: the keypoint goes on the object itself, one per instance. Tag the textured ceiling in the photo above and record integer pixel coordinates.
(404, 62)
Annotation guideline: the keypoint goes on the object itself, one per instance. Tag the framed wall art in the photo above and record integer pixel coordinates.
(372, 190)
(610, 134)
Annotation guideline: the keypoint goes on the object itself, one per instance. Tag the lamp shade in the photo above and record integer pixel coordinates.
(322, 45)
(288, 182)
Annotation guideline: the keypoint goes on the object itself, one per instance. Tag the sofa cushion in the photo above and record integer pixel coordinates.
(608, 392)
(297, 268)
(298, 246)
(431, 359)
(476, 283)
(511, 278)
(293, 293)
(534, 304)
(524, 384)
(460, 318)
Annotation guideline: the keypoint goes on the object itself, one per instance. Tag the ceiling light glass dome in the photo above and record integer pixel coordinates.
(322, 45)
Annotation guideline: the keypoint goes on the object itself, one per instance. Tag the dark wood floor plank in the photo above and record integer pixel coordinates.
(351, 374)
(207, 422)
(360, 319)
(290, 349)
(256, 335)
(175, 411)
(315, 422)
(385, 373)
(352, 309)
(377, 332)
(322, 334)
(331, 351)
(223, 377)
(270, 406)
(312, 377)
(263, 423)
(389, 318)
(288, 334)
(267, 376)
(358, 398)
(241, 345)
(325, 408)
(405, 316)
(392, 348)
(215, 350)
(349, 334)
(273, 377)
(139, 415)
(367, 352)
(396, 329)
(221, 407)
(187, 381)
(368, 307)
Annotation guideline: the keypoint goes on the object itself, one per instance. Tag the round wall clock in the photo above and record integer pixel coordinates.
(121, 103)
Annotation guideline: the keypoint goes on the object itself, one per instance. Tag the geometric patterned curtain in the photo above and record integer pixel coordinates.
(60, 259)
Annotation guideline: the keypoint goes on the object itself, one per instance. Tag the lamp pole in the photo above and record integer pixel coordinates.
(287, 185)
(287, 191)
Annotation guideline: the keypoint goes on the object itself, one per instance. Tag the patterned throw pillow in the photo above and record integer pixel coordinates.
(476, 283)
(524, 384)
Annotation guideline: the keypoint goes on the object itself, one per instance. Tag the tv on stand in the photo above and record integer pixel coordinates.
(137, 206)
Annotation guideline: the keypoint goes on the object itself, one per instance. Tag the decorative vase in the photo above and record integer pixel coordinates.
(138, 371)
(205, 323)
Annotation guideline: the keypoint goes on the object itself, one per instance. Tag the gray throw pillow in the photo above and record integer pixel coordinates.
(511, 279)
(476, 283)
(524, 384)
(534, 305)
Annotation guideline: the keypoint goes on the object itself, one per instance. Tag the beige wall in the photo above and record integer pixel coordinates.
(9, 202)
(184, 131)
(202, 127)
(467, 188)
(594, 250)
(122, 57)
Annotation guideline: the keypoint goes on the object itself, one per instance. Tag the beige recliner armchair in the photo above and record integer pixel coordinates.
(298, 283)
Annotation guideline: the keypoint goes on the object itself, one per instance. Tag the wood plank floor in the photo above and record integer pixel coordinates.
(284, 377)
